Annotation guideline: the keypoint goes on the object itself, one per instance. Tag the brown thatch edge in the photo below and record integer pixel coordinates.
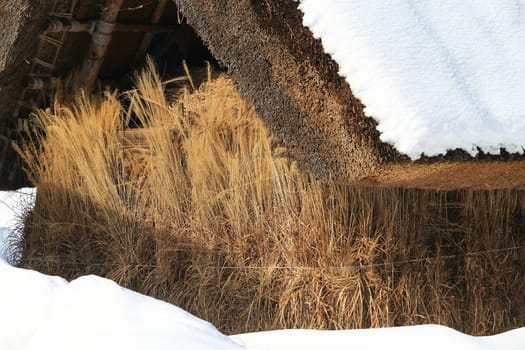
(21, 21)
(277, 64)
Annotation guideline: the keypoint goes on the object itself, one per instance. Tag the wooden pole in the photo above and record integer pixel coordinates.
(70, 25)
(100, 40)
(41, 83)
(148, 37)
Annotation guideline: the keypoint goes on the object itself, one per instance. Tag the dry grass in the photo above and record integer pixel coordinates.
(209, 217)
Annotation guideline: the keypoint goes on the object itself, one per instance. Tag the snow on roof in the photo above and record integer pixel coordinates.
(436, 75)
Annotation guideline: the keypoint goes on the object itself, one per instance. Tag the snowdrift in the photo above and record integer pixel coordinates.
(47, 312)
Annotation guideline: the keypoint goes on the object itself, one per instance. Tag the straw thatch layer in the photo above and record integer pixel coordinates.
(277, 65)
(20, 23)
(201, 212)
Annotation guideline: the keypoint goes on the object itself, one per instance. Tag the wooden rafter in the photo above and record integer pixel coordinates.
(100, 40)
(148, 37)
(73, 26)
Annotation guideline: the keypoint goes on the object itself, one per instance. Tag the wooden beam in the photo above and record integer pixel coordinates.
(66, 25)
(40, 83)
(148, 37)
(70, 25)
(99, 43)
(149, 29)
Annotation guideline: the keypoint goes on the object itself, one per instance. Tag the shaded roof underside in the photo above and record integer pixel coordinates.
(36, 52)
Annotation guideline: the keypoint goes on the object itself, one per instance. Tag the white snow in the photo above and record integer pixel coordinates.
(5, 235)
(45, 312)
(435, 74)
(26, 299)
(12, 206)
(428, 337)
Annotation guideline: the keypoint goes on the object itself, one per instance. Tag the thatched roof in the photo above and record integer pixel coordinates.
(279, 66)
(276, 64)
(21, 21)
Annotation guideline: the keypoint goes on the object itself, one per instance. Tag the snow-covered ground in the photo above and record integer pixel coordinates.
(435, 74)
(45, 312)
(12, 205)
(41, 312)
(428, 337)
